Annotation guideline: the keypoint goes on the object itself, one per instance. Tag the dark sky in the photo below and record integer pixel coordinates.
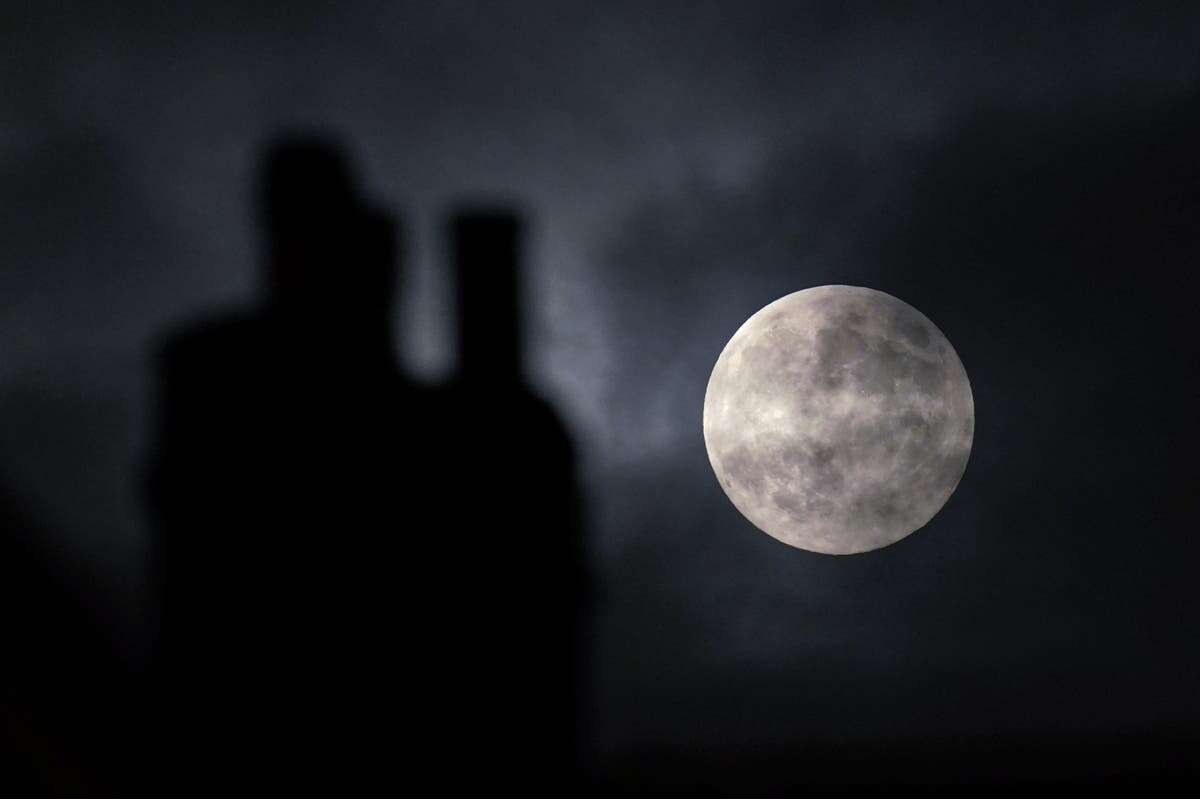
(1025, 176)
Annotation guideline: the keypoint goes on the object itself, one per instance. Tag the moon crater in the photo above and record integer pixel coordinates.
(838, 419)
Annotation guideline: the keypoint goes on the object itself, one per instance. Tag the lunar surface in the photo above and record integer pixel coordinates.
(838, 419)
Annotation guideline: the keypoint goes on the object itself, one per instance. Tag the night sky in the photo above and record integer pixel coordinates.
(1025, 176)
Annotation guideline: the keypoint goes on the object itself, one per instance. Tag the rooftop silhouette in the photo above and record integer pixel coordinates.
(342, 548)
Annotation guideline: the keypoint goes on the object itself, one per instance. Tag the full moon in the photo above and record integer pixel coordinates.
(838, 419)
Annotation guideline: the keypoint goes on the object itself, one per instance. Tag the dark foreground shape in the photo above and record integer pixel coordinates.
(365, 582)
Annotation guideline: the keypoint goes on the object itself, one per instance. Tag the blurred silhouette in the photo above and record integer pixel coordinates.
(361, 576)
(282, 466)
(522, 522)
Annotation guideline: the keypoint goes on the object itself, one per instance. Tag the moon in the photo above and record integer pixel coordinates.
(838, 419)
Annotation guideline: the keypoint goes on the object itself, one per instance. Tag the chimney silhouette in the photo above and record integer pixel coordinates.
(485, 247)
